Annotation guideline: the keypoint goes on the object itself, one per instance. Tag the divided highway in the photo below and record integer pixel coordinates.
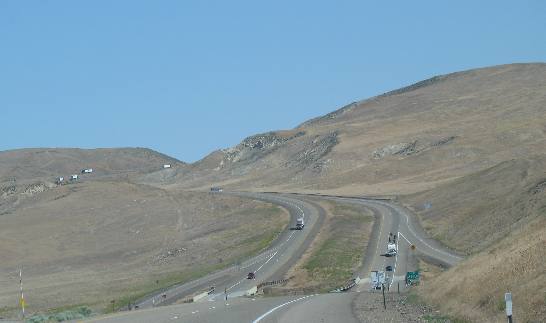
(274, 262)
(270, 264)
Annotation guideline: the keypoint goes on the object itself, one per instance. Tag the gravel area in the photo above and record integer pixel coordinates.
(368, 307)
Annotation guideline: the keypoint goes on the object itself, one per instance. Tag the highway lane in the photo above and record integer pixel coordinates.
(270, 264)
(390, 218)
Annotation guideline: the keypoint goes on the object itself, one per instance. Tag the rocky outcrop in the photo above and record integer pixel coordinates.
(8, 190)
(35, 188)
(314, 152)
(257, 146)
(410, 148)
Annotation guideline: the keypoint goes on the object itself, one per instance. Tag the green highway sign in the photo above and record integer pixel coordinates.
(412, 277)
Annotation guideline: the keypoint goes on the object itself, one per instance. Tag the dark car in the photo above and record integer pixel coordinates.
(388, 268)
(251, 276)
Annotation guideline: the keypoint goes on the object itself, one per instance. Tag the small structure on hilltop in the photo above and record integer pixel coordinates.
(167, 166)
(216, 190)
(74, 177)
(59, 180)
(87, 171)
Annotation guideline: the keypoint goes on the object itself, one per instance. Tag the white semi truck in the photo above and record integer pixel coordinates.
(299, 224)
(391, 249)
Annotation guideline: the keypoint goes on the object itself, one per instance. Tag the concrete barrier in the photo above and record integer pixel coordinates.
(199, 297)
(252, 291)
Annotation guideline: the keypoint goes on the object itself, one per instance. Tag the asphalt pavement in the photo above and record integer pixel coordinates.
(284, 252)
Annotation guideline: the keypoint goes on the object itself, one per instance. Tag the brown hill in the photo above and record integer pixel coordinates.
(49, 163)
(403, 141)
(105, 235)
(466, 151)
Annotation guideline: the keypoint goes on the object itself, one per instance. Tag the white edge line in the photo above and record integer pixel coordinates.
(279, 306)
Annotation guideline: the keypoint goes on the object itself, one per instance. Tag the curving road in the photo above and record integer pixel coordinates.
(284, 252)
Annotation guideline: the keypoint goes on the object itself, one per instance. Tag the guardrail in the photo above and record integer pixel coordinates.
(274, 282)
(350, 284)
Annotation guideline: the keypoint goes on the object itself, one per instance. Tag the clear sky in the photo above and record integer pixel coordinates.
(188, 77)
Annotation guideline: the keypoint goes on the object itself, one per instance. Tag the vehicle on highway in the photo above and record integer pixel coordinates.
(391, 249)
(251, 275)
(391, 246)
(299, 224)
(388, 268)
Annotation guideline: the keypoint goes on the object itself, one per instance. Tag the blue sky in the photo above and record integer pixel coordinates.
(189, 77)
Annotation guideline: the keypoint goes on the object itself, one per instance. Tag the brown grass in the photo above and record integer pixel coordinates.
(96, 241)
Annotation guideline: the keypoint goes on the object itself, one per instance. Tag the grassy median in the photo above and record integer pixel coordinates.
(345, 239)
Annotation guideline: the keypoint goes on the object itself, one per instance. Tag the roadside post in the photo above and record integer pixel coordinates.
(384, 301)
(508, 300)
(22, 300)
(113, 305)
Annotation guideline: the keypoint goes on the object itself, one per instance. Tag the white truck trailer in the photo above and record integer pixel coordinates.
(300, 224)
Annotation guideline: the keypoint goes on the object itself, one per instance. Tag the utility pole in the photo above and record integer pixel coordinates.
(22, 301)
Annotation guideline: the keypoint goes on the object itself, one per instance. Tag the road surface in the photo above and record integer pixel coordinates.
(284, 252)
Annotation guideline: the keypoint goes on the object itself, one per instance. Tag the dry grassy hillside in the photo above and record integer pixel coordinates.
(473, 212)
(499, 217)
(47, 164)
(404, 141)
(105, 237)
(467, 151)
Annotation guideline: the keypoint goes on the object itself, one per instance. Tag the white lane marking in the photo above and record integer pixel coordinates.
(400, 211)
(396, 257)
(277, 307)
(235, 284)
(266, 262)
(276, 248)
(418, 238)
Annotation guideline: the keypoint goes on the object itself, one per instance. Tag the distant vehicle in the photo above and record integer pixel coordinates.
(251, 275)
(388, 268)
(87, 171)
(300, 224)
(167, 166)
(74, 177)
(216, 189)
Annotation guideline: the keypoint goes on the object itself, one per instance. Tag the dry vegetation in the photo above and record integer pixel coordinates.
(499, 217)
(403, 142)
(466, 151)
(92, 242)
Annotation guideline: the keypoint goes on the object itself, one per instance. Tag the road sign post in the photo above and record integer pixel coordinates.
(508, 300)
(384, 301)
